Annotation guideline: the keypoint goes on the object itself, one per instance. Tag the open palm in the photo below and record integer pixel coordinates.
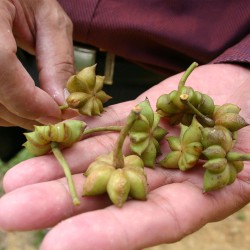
(37, 194)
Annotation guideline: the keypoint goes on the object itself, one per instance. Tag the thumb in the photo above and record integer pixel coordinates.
(54, 49)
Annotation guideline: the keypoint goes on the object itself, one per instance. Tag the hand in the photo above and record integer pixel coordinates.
(37, 194)
(41, 28)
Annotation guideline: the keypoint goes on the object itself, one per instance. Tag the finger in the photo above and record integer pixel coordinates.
(56, 203)
(47, 168)
(48, 202)
(4, 123)
(170, 213)
(54, 48)
(17, 91)
(13, 119)
(19, 94)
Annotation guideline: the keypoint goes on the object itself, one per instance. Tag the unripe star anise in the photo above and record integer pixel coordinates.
(228, 116)
(118, 175)
(146, 134)
(45, 139)
(119, 183)
(171, 106)
(86, 92)
(186, 148)
(65, 134)
(221, 169)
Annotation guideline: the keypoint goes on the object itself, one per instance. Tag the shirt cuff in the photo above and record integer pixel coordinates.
(239, 53)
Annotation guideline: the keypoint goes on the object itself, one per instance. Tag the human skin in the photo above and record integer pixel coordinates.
(37, 195)
(39, 27)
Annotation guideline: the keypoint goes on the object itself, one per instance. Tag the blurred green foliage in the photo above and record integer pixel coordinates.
(22, 155)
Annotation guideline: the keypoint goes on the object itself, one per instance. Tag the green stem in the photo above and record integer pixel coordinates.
(102, 129)
(186, 74)
(208, 121)
(235, 156)
(59, 156)
(118, 159)
(64, 106)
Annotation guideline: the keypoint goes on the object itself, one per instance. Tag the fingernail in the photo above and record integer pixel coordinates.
(48, 120)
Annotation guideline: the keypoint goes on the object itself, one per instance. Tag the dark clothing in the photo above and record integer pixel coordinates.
(165, 35)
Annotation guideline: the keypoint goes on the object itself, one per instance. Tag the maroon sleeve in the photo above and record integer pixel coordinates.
(165, 35)
(81, 13)
(238, 53)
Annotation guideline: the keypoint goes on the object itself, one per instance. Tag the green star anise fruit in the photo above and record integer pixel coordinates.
(119, 183)
(217, 135)
(146, 134)
(86, 92)
(186, 149)
(65, 134)
(171, 107)
(228, 116)
(220, 171)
